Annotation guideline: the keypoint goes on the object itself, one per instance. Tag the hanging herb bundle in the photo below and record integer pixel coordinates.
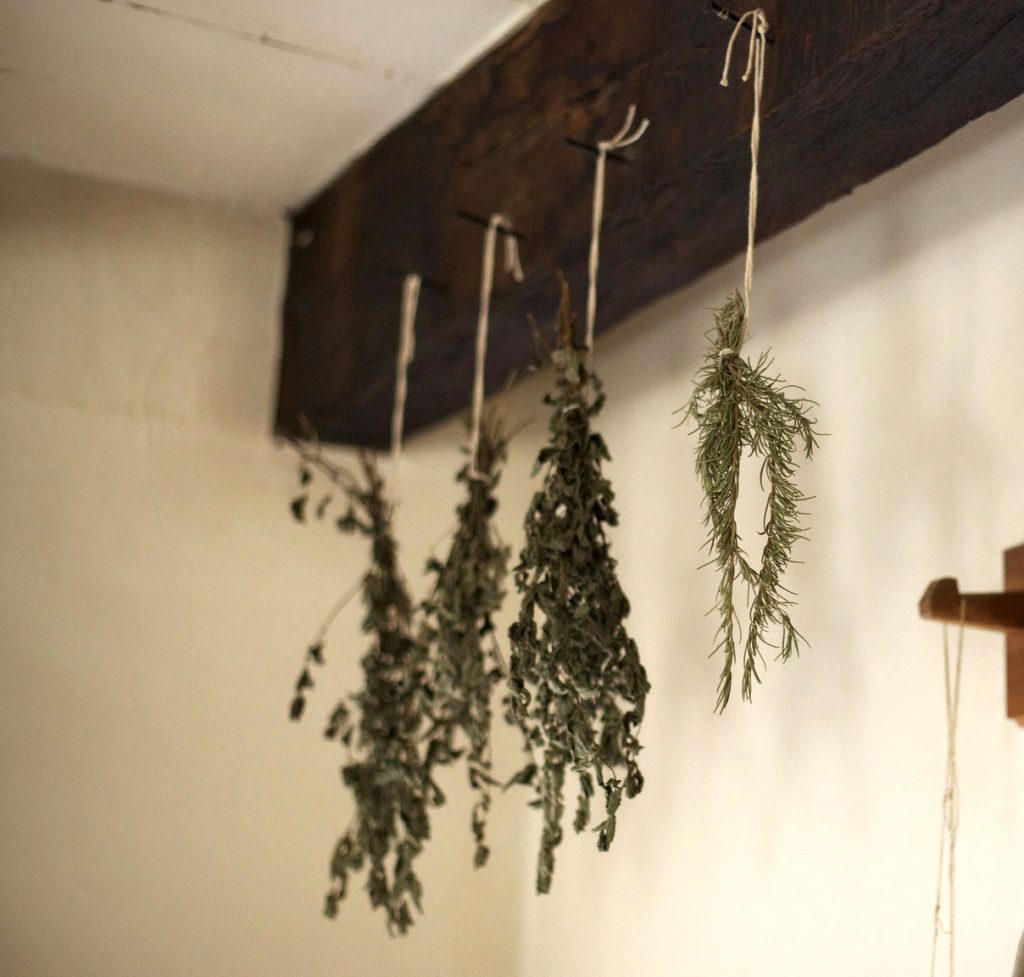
(576, 681)
(382, 727)
(459, 619)
(387, 770)
(739, 408)
(469, 584)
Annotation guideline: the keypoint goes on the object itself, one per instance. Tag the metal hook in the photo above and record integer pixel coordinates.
(724, 13)
(587, 148)
(472, 218)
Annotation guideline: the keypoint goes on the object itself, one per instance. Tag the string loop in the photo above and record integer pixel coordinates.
(514, 267)
(620, 140)
(755, 69)
(406, 351)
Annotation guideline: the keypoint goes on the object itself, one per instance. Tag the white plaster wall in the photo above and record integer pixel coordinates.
(798, 836)
(160, 816)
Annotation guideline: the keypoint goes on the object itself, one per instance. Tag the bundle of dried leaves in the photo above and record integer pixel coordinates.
(740, 408)
(576, 682)
(459, 620)
(383, 726)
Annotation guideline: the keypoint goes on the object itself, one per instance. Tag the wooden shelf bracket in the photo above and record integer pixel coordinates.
(1003, 611)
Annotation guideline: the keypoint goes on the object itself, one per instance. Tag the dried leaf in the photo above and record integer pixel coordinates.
(469, 587)
(577, 684)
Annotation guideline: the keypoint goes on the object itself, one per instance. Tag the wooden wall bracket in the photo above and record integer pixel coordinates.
(852, 89)
(1003, 611)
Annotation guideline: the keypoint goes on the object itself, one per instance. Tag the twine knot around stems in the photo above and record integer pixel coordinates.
(755, 69)
(514, 267)
(624, 137)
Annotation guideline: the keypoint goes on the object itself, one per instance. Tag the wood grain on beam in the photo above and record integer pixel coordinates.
(853, 88)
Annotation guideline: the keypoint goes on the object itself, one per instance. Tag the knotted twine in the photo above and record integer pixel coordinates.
(950, 795)
(515, 268)
(755, 68)
(406, 351)
(621, 139)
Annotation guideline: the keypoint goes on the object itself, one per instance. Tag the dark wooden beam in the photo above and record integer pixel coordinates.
(853, 88)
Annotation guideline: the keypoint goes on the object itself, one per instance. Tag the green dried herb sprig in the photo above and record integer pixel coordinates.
(577, 685)
(739, 408)
(340, 479)
(383, 727)
(388, 770)
(469, 587)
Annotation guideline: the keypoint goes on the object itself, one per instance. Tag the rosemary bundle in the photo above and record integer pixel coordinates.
(467, 593)
(382, 727)
(576, 682)
(739, 408)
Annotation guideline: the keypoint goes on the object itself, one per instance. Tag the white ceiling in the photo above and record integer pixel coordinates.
(256, 103)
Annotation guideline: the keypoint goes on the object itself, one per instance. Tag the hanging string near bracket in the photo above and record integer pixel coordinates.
(950, 795)
(497, 222)
(755, 68)
(620, 140)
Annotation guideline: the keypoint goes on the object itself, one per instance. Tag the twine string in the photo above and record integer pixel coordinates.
(514, 267)
(950, 797)
(620, 140)
(406, 351)
(755, 69)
